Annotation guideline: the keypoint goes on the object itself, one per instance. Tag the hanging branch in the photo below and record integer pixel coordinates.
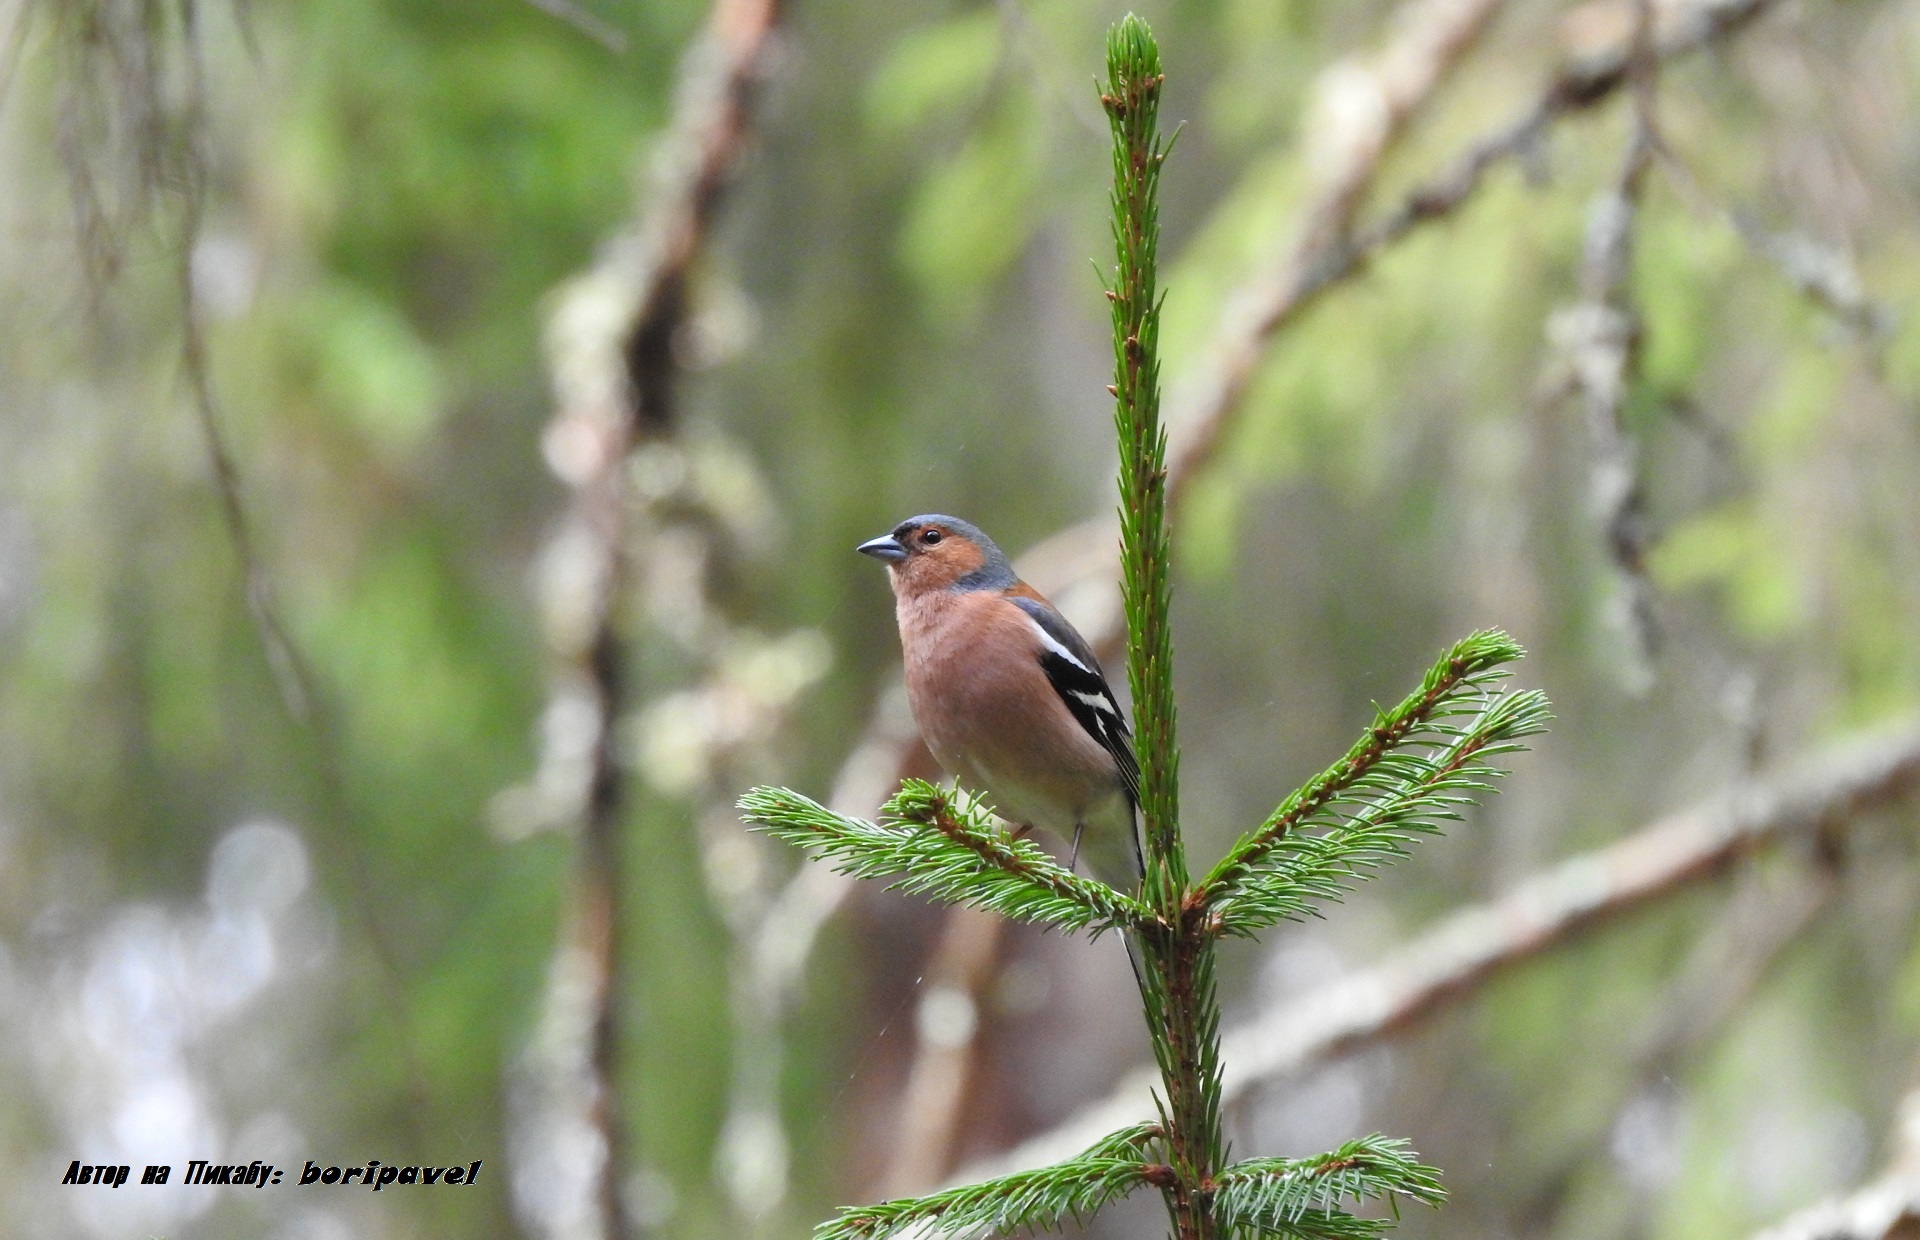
(611, 355)
(136, 143)
(1601, 338)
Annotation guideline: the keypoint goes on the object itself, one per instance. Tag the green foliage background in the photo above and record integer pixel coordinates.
(902, 320)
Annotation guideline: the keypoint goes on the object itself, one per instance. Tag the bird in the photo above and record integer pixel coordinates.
(1009, 697)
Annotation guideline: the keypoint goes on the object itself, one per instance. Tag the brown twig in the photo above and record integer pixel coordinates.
(612, 357)
(1455, 958)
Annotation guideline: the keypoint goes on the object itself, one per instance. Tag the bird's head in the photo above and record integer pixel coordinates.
(940, 553)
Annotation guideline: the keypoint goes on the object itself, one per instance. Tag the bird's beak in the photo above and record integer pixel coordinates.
(886, 547)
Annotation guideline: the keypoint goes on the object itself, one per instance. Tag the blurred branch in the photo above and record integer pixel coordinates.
(1820, 271)
(1362, 112)
(948, 1020)
(1455, 958)
(133, 135)
(290, 671)
(1887, 1209)
(611, 351)
(587, 22)
(1363, 108)
(1764, 918)
(1265, 307)
(1823, 273)
(1600, 338)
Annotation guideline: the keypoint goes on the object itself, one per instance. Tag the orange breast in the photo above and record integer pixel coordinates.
(991, 717)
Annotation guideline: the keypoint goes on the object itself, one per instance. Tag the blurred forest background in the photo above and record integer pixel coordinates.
(435, 434)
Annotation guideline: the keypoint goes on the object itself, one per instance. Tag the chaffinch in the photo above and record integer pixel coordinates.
(1009, 698)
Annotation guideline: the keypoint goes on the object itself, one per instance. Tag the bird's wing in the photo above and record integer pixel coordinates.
(1075, 675)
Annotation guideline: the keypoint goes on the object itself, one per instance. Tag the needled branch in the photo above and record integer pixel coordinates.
(1416, 792)
(1362, 801)
(946, 845)
(1301, 1198)
(1132, 102)
(1025, 1201)
(1176, 973)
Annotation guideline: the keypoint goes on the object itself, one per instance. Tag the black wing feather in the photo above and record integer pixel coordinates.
(1078, 681)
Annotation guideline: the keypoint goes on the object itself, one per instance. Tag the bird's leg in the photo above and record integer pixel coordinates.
(1073, 854)
(1021, 830)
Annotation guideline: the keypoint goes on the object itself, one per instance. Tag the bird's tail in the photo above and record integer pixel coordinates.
(1109, 843)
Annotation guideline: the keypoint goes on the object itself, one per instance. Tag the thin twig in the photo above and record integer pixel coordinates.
(1821, 271)
(1600, 338)
(290, 672)
(587, 22)
(1455, 958)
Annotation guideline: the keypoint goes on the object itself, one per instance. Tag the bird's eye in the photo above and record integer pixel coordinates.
(929, 537)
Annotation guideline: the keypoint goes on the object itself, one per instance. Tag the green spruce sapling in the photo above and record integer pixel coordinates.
(1416, 767)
